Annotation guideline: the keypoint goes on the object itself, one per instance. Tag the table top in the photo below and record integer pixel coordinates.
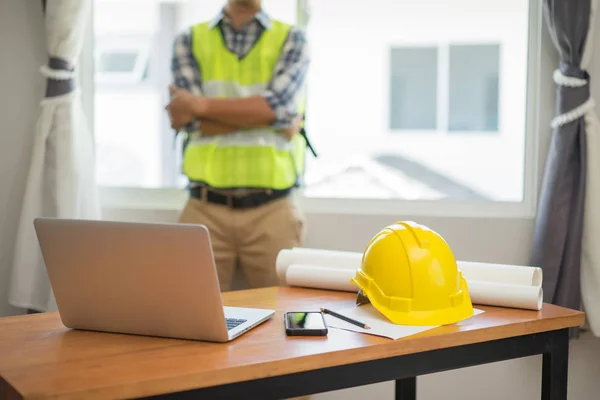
(41, 358)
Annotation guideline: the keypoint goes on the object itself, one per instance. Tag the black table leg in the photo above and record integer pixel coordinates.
(406, 389)
(555, 367)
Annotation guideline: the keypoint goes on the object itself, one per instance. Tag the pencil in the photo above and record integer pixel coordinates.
(350, 320)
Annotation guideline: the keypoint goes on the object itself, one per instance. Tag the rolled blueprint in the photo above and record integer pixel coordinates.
(478, 271)
(327, 278)
(321, 258)
(489, 284)
(500, 273)
(505, 295)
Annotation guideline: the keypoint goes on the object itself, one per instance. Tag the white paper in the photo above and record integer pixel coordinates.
(501, 273)
(477, 271)
(328, 278)
(503, 295)
(322, 258)
(379, 324)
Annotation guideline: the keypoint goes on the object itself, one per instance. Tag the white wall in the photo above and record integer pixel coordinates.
(23, 50)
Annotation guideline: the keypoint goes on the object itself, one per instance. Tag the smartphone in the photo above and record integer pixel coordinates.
(309, 323)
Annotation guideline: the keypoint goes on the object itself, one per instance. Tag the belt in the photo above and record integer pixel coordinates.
(239, 202)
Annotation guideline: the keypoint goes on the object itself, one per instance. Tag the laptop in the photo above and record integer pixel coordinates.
(139, 278)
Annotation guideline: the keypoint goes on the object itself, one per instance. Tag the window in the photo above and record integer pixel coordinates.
(426, 101)
(471, 74)
(121, 61)
(474, 82)
(413, 88)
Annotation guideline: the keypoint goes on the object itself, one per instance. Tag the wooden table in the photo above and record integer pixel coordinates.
(39, 358)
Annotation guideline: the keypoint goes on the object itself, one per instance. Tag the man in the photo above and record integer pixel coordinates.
(237, 87)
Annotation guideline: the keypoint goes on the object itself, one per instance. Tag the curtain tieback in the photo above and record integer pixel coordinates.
(578, 112)
(61, 77)
(57, 74)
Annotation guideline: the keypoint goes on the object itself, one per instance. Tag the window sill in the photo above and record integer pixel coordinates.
(140, 199)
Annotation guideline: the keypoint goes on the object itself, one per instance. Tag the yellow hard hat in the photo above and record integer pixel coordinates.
(410, 275)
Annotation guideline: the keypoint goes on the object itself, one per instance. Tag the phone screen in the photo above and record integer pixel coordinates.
(305, 320)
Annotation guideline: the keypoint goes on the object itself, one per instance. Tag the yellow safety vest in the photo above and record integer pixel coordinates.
(249, 158)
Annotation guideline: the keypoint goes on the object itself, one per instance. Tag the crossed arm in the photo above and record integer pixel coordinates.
(276, 107)
(219, 116)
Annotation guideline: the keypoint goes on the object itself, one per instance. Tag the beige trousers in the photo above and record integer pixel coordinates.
(248, 238)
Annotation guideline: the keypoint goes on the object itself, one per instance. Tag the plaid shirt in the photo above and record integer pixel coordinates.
(283, 91)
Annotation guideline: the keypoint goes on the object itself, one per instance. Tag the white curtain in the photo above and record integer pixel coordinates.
(590, 256)
(61, 181)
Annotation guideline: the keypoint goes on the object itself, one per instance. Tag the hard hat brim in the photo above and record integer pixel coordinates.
(460, 310)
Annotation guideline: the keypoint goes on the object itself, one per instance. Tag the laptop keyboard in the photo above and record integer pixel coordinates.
(232, 322)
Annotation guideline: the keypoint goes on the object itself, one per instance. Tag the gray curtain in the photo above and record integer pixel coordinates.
(559, 225)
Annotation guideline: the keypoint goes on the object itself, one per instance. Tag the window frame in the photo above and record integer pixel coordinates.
(173, 199)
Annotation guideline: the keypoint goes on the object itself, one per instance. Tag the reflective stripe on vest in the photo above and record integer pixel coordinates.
(253, 158)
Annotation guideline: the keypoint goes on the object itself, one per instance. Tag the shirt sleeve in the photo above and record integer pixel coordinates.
(285, 88)
(185, 71)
